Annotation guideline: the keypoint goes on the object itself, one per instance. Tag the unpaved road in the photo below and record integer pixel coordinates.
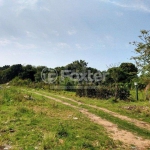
(128, 138)
(138, 123)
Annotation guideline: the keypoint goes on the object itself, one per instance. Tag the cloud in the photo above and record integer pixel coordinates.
(4, 42)
(83, 47)
(30, 34)
(25, 46)
(45, 9)
(72, 32)
(134, 5)
(13, 43)
(63, 45)
(25, 4)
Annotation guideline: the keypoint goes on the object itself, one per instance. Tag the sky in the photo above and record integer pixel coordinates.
(57, 32)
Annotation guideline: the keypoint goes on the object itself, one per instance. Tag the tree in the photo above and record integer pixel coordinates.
(143, 52)
(28, 73)
(77, 66)
(8, 73)
(37, 75)
(128, 72)
(4, 67)
(113, 77)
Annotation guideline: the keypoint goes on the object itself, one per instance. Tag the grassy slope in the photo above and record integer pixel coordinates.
(121, 123)
(139, 109)
(43, 124)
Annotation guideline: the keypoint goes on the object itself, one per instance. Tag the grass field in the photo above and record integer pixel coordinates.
(135, 109)
(39, 123)
(30, 122)
(110, 105)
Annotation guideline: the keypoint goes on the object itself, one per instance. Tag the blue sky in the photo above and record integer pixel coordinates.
(57, 32)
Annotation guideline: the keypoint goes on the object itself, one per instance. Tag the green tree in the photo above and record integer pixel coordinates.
(28, 72)
(37, 75)
(77, 66)
(8, 73)
(128, 72)
(142, 50)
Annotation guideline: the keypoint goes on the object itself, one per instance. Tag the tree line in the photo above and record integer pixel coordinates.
(117, 77)
(121, 74)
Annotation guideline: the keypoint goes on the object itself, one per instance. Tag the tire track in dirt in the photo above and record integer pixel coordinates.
(114, 132)
(138, 123)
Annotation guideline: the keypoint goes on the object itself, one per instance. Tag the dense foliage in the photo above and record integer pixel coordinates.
(31, 75)
(103, 92)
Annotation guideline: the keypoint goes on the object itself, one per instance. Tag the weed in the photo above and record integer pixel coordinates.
(62, 131)
(49, 141)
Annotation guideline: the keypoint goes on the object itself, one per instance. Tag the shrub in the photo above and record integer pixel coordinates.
(123, 93)
(80, 91)
(103, 92)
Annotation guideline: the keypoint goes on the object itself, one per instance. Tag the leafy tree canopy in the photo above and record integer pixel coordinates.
(142, 51)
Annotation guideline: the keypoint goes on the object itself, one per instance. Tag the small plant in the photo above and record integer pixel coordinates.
(18, 97)
(23, 110)
(62, 131)
(54, 105)
(50, 141)
(86, 145)
(6, 96)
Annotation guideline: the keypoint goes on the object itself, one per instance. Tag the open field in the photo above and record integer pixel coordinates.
(45, 124)
(134, 109)
(38, 119)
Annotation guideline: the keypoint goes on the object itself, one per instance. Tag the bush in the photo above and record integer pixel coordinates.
(103, 92)
(80, 91)
(123, 93)
(90, 92)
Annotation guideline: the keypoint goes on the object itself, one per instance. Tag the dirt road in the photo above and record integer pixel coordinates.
(128, 138)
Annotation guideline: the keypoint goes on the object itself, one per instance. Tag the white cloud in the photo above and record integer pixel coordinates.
(134, 5)
(25, 46)
(30, 34)
(27, 2)
(83, 47)
(4, 42)
(45, 9)
(13, 43)
(72, 32)
(63, 45)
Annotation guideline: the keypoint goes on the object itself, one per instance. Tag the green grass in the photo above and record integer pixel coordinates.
(41, 123)
(122, 124)
(141, 109)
